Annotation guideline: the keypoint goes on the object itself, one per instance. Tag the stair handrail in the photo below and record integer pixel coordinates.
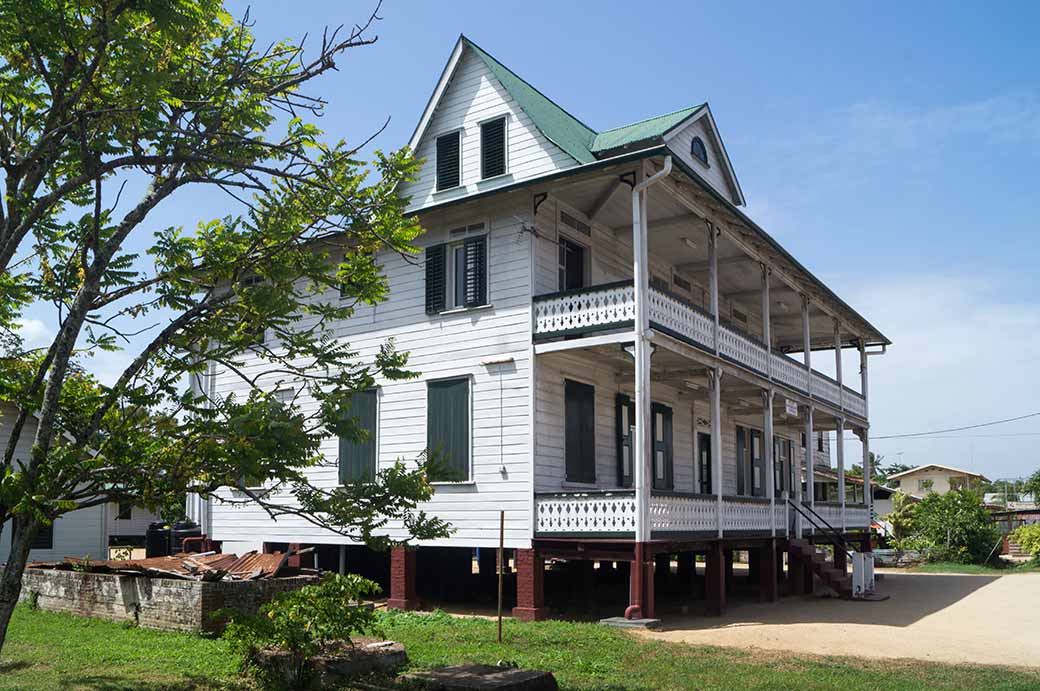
(835, 536)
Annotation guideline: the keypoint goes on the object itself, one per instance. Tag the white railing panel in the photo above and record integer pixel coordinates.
(743, 350)
(825, 389)
(582, 513)
(780, 516)
(830, 513)
(745, 515)
(676, 316)
(856, 516)
(855, 404)
(787, 371)
(582, 310)
(682, 514)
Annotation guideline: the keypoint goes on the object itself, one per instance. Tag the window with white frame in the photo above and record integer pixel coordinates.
(456, 271)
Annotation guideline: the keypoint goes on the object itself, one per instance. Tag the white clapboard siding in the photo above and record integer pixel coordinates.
(714, 173)
(76, 534)
(136, 525)
(441, 346)
(474, 95)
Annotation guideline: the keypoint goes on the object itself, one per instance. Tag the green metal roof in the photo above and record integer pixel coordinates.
(642, 131)
(569, 133)
(560, 127)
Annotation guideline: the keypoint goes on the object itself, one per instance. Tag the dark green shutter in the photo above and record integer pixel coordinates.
(435, 288)
(741, 453)
(448, 161)
(447, 428)
(626, 407)
(758, 466)
(357, 460)
(580, 432)
(493, 148)
(704, 452)
(663, 447)
(476, 270)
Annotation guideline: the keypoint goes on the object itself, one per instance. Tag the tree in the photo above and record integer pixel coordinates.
(99, 98)
(955, 527)
(1032, 485)
(903, 516)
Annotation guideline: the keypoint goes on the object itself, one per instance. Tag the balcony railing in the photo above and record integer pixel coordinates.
(612, 513)
(613, 306)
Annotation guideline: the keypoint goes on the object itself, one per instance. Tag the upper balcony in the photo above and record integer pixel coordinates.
(611, 306)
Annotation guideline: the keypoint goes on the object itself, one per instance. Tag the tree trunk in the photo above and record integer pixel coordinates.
(22, 531)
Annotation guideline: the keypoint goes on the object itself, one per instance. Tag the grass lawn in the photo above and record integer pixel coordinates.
(48, 651)
(954, 567)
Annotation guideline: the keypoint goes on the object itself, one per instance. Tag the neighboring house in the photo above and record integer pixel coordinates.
(881, 496)
(934, 479)
(535, 385)
(86, 532)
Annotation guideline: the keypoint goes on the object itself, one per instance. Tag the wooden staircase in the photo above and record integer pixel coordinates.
(834, 578)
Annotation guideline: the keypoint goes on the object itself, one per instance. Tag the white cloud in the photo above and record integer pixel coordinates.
(34, 332)
(963, 353)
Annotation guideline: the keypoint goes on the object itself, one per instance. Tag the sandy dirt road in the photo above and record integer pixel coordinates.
(993, 620)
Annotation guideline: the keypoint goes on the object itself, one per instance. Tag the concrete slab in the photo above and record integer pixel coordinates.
(623, 623)
(478, 677)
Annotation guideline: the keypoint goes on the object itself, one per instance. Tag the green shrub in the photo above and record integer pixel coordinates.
(955, 527)
(304, 622)
(1028, 538)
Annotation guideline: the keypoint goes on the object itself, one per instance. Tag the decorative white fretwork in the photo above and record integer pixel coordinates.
(584, 309)
(739, 348)
(585, 513)
(745, 515)
(789, 371)
(682, 514)
(678, 317)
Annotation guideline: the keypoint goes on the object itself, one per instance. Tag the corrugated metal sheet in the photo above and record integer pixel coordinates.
(200, 567)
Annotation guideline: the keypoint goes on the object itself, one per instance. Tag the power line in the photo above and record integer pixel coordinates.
(957, 429)
(961, 436)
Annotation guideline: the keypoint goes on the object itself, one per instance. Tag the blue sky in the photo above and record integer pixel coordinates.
(892, 148)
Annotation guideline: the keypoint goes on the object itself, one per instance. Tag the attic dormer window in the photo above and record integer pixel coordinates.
(449, 161)
(698, 151)
(493, 148)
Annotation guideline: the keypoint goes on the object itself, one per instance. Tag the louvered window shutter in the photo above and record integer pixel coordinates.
(476, 270)
(448, 161)
(435, 288)
(447, 428)
(357, 460)
(579, 431)
(493, 148)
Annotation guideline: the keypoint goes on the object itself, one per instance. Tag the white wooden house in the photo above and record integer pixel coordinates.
(83, 533)
(605, 341)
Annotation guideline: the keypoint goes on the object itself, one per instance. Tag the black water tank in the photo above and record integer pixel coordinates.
(157, 539)
(181, 530)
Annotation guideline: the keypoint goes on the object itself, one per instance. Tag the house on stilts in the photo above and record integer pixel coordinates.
(612, 353)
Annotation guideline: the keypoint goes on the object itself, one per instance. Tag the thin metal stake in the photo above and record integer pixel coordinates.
(501, 566)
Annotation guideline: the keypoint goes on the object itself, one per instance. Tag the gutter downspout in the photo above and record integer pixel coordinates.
(641, 274)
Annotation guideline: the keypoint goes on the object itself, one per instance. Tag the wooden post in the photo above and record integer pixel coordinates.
(868, 494)
(810, 463)
(342, 559)
(642, 451)
(767, 427)
(767, 583)
(715, 580)
(501, 566)
(840, 434)
(715, 377)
